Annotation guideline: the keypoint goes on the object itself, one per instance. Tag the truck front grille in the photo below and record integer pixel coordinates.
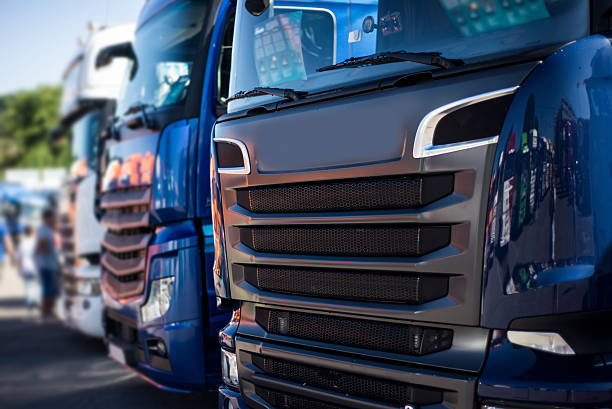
(375, 389)
(357, 285)
(343, 240)
(284, 400)
(126, 216)
(358, 333)
(347, 195)
(66, 232)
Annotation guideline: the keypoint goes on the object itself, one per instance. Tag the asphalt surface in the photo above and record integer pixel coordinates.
(50, 366)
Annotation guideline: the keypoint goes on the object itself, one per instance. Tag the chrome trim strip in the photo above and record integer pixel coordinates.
(244, 170)
(423, 142)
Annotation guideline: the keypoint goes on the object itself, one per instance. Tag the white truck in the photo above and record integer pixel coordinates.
(88, 100)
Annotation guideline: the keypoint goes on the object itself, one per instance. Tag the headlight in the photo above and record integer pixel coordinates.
(159, 299)
(88, 286)
(544, 341)
(229, 368)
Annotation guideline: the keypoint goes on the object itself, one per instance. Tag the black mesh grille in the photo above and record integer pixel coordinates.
(351, 195)
(347, 240)
(347, 383)
(367, 334)
(282, 400)
(378, 286)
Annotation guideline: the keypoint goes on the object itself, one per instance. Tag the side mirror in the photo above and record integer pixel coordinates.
(106, 55)
(256, 7)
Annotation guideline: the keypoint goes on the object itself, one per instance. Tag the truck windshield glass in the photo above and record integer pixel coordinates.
(287, 45)
(72, 76)
(165, 48)
(84, 134)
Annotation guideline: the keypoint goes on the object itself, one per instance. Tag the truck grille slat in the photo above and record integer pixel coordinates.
(347, 195)
(126, 215)
(123, 198)
(284, 400)
(123, 243)
(118, 221)
(358, 333)
(345, 240)
(119, 289)
(347, 383)
(358, 285)
(122, 267)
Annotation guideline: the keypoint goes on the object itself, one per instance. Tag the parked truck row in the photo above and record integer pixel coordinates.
(349, 204)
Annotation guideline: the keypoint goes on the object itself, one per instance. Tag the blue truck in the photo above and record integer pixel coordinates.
(160, 313)
(424, 224)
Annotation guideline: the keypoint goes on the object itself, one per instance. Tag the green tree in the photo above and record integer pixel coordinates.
(26, 120)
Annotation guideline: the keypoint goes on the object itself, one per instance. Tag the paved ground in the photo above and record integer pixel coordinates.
(51, 367)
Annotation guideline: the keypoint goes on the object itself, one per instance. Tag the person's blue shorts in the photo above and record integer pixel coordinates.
(49, 282)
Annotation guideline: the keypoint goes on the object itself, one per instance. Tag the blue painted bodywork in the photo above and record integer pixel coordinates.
(548, 240)
(182, 245)
(523, 374)
(173, 186)
(548, 246)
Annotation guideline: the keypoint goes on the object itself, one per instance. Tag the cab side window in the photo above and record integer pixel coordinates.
(224, 64)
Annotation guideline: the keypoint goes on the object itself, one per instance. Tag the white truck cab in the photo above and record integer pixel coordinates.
(88, 100)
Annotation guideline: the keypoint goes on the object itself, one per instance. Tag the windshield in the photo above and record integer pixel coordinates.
(84, 134)
(71, 84)
(286, 45)
(165, 48)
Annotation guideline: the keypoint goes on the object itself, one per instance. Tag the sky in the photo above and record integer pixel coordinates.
(38, 38)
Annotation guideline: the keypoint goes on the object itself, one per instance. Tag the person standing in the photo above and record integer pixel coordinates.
(47, 265)
(26, 251)
(6, 249)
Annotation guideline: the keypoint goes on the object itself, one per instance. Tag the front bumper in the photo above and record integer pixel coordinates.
(182, 369)
(84, 314)
(229, 397)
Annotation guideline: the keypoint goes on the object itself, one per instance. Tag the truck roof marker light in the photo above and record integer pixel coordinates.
(424, 141)
(245, 167)
(542, 341)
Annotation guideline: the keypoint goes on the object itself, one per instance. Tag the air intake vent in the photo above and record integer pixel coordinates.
(347, 240)
(347, 195)
(346, 383)
(358, 285)
(365, 334)
(282, 400)
(477, 121)
(232, 156)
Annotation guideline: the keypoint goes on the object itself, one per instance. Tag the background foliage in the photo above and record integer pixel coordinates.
(26, 119)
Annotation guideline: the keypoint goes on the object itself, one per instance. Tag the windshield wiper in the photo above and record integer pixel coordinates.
(286, 93)
(395, 56)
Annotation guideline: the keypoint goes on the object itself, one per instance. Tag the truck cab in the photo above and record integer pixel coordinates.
(422, 224)
(88, 99)
(161, 317)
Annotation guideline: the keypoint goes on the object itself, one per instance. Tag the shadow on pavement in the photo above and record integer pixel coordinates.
(50, 366)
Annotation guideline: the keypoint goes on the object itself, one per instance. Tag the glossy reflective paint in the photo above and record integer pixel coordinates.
(549, 233)
(173, 180)
(208, 115)
(518, 373)
(175, 252)
(130, 163)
